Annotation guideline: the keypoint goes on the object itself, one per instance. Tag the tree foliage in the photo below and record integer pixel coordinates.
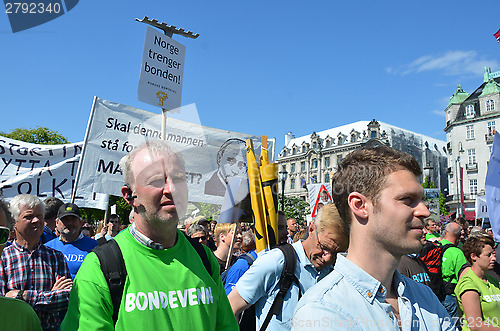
(39, 135)
(295, 208)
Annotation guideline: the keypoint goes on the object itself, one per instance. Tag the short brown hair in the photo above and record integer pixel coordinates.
(475, 244)
(365, 170)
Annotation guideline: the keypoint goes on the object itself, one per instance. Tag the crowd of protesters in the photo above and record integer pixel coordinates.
(366, 262)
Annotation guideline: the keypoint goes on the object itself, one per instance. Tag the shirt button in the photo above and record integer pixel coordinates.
(391, 315)
(370, 294)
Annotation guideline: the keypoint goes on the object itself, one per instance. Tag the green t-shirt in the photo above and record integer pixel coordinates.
(18, 315)
(429, 236)
(489, 296)
(453, 260)
(164, 290)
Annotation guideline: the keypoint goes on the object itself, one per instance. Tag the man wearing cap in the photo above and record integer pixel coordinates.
(71, 242)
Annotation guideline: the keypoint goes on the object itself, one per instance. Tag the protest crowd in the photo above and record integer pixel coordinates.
(373, 259)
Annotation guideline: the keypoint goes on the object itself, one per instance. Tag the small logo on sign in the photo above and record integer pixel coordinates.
(162, 96)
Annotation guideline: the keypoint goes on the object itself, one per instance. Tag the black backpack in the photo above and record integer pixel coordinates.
(432, 256)
(113, 268)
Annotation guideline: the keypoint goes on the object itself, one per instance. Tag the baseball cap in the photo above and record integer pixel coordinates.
(69, 209)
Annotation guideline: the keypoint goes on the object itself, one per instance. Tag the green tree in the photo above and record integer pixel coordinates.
(296, 208)
(39, 135)
(207, 209)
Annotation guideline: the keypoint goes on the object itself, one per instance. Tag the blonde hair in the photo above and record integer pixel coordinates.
(223, 228)
(329, 218)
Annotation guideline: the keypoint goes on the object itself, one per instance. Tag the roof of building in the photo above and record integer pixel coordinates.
(361, 126)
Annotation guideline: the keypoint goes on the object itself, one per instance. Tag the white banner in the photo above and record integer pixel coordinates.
(492, 187)
(212, 156)
(319, 196)
(44, 171)
(160, 82)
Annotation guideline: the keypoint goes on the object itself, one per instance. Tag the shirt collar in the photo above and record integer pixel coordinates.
(80, 236)
(25, 249)
(304, 260)
(363, 282)
(141, 238)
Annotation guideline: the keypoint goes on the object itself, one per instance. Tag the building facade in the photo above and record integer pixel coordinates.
(314, 158)
(470, 127)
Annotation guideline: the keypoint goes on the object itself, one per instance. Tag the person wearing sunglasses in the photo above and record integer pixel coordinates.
(25, 318)
(30, 271)
(197, 231)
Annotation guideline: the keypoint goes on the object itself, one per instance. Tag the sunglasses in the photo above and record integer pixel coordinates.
(201, 237)
(4, 235)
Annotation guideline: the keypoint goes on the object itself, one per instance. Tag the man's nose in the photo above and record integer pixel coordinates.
(421, 210)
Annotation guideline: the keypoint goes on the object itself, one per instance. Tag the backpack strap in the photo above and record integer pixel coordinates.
(201, 252)
(247, 257)
(113, 269)
(287, 279)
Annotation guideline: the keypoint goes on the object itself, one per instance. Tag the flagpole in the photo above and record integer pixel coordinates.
(84, 148)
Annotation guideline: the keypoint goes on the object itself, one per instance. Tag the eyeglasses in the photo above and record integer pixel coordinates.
(326, 251)
(201, 238)
(4, 234)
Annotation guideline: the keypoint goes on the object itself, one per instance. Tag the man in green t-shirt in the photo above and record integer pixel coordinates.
(167, 286)
(453, 260)
(431, 230)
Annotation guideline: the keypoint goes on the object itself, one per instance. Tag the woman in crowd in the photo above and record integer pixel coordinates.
(478, 294)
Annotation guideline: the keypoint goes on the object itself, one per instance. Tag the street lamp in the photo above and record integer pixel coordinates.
(283, 174)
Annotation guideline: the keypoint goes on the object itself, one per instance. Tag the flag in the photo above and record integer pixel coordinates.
(497, 35)
(303, 182)
(257, 199)
(492, 187)
(313, 180)
(269, 177)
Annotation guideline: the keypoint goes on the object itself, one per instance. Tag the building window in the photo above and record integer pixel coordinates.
(284, 152)
(341, 140)
(491, 127)
(292, 170)
(314, 163)
(294, 151)
(470, 132)
(315, 145)
(327, 162)
(490, 105)
(327, 178)
(353, 138)
(328, 143)
(473, 187)
(303, 166)
(292, 183)
(303, 149)
(469, 111)
(374, 134)
(339, 158)
(471, 156)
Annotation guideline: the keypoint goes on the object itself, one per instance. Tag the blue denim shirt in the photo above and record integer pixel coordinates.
(350, 299)
(260, 284)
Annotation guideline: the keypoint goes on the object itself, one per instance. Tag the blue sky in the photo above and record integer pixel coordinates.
(259, 67)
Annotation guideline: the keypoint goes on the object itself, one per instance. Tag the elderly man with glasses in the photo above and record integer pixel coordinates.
(315, 258)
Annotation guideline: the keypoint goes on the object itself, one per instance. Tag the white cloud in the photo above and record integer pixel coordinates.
(449, 63)
(439, 113)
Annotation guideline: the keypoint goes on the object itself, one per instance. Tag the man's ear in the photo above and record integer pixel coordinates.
(127, 194)
(358, 203)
